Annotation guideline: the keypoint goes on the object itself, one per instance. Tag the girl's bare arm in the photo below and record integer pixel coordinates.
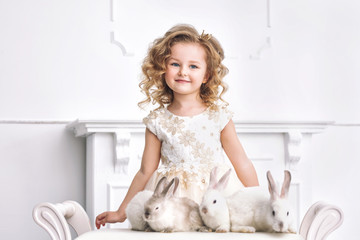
(149, 164)
(243, 166)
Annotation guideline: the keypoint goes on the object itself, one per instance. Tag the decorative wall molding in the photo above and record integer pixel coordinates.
(293, 149)
(115, 36)
(122, 130)
(115, 192)
(64, 121)
(259, 158)
(281, 126)
(33, 121)
(114, 4)
(122, 151)
(112, 187)
(118, 39)
(257, 55)
(267, 43)
(346, 124)
(85, 127)
(268, 14)
(295, 190)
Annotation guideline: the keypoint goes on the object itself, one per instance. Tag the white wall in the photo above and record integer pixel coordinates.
(336, 174)
(39, 162)
(57, 62)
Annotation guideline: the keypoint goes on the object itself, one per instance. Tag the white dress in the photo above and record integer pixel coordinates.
(190, 149)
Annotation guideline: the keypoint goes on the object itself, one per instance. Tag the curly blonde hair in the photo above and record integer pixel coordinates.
(153, 84)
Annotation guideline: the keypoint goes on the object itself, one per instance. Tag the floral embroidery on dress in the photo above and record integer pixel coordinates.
(198, 149)
(173, 125)
(227, 113)
(187, 138)
(152, 115)
(208, 155)
(214, 115)
(190, 146)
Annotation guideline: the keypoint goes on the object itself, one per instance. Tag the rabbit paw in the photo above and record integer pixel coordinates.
(204, 229)
(243, 229)
(148, 229)
(221, 230)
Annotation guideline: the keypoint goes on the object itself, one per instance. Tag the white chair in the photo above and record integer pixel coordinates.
(320, 220)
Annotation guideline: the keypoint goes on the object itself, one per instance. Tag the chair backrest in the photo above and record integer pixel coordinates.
(56, 218)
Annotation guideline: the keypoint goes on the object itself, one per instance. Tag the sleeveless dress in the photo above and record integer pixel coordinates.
(190, 149)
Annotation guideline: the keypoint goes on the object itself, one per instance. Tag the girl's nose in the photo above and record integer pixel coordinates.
(182, 72)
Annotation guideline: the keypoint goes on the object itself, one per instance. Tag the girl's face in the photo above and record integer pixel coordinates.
(186, 69)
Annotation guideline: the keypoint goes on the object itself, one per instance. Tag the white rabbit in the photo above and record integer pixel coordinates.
(166, 213)
(252, 210)
(136, 208)
(213, 208)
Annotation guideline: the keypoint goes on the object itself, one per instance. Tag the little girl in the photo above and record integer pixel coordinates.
(183, 74)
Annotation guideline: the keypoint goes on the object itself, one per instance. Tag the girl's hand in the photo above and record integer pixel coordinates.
(109, 217)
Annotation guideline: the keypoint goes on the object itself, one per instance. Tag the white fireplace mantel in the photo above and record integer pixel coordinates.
(83, 128)
(114, 151)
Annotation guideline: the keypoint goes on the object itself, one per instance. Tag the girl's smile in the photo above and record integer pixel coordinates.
(182, 81)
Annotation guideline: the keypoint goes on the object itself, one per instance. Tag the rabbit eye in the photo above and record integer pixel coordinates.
(273, 213)
(156, 208)
(214, 201)
(287, 213)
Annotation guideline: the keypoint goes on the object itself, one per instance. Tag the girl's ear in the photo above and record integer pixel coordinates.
(206, 78)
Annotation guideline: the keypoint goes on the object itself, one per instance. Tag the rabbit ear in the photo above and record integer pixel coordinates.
(160, 186)
(171, 188)
(286, 184)
(213, 178)
(272, 186)
(221, 185)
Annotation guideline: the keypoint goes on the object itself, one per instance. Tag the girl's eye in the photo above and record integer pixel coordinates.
(193, 66)
(175, 64)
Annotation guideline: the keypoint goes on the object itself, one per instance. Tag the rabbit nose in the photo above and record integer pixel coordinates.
(281, 226)
(204, 210)
(147, 214)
